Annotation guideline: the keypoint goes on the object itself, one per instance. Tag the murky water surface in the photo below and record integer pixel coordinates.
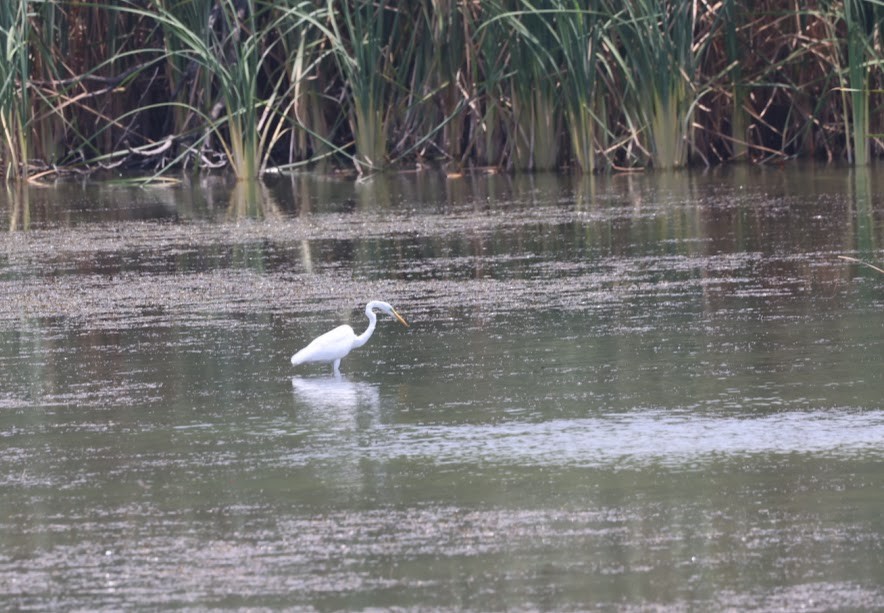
(635, 392)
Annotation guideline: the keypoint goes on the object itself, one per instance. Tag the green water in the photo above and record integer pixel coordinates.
(636, 392)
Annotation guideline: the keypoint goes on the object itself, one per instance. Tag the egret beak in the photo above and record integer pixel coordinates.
(399, 317)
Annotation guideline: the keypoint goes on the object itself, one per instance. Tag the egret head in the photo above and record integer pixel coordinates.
(388, 309)
(393, 312)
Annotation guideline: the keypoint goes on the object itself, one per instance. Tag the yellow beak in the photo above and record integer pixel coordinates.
(399, 317)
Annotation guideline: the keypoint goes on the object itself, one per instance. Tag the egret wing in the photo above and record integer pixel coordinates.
(331, 346)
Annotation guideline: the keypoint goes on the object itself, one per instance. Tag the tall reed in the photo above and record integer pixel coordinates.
(15, 70)
(449, 23)
(734, 51)
(579, 34)
(658, 59)
(237, 41)
(216, 54)
(254, 85)
(362, 48)
(488, 73)
(863, 21)
(305, 60)
(532, 85)
(48, 125)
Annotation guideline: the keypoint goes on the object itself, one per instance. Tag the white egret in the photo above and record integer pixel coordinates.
(337, 343)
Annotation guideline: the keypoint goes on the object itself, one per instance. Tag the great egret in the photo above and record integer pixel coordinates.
(337, 343)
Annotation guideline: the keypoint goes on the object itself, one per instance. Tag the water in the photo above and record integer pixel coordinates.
(624, 393)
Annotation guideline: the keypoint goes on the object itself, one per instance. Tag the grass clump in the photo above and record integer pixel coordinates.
(256, 86)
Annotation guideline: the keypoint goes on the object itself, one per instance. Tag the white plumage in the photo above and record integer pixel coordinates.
(337, 343)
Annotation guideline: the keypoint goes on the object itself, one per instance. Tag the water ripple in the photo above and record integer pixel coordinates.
(638, 437)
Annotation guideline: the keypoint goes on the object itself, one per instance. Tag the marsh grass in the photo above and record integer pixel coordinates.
(303, 61)
(863, 20)
(658, 60)
(217, 47)
(257, 85)
(375, 45)
(533, 85)
(733, 19)
(579, 34)
(15, 112)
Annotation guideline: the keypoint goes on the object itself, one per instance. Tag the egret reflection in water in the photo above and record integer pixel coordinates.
(335, 401)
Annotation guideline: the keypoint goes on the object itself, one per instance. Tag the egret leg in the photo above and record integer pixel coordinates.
(338, 367)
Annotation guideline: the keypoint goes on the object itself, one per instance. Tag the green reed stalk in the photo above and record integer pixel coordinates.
(234, 61)
(861, 19)
(221, 53)
(277, 82)
(305, 55)
(49, 124)
(206, 52)
(533, 82)
(15, 112)
(361, 46)
(423, 81)
(739, 123)
(658, 63)
(579, 36)
(450, 56)
(376, 81)
(488, 73)
(434, 98)
(189, 80)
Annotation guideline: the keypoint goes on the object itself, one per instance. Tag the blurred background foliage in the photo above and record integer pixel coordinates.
(254, 86)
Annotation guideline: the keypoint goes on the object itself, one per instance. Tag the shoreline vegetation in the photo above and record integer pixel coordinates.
(255, 87)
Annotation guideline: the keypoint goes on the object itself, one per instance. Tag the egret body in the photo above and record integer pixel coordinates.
(337, 343)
